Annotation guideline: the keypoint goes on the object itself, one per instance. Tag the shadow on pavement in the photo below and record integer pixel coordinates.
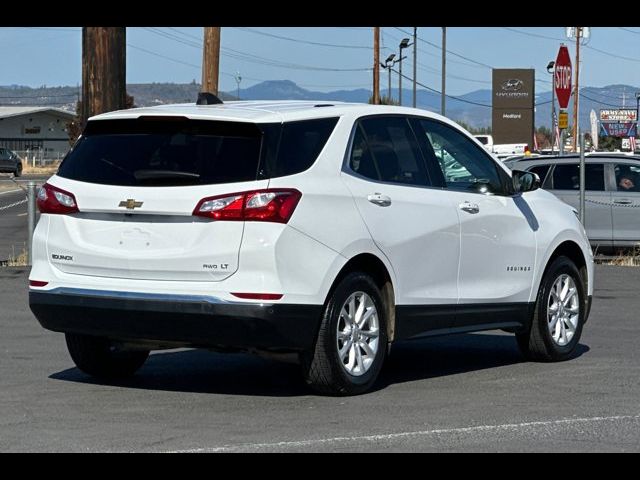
(201, 371)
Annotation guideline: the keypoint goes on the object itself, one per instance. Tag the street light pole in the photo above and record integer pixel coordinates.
(551, 68)
(444, 71)
(388, 63)
(403, 44)
(415, 55)
(238, 80)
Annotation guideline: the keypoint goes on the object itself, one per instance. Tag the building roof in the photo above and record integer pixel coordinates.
(6, 112)
(261, 111)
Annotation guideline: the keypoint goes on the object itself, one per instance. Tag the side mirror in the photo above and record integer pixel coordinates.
(525, 181)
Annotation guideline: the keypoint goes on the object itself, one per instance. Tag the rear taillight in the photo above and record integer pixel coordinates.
(37, 283)
(55, 200)
(271, 205)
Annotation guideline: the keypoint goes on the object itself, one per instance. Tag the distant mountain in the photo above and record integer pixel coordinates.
(473, 108)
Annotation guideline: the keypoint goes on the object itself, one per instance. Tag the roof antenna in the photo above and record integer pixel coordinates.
(206, 98)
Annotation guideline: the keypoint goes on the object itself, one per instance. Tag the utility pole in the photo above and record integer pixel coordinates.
(211, 60)
(444, 71)
(415, 56)
(103, 70)
(376, 63)
(576, 94)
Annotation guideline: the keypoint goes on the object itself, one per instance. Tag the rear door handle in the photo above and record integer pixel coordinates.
(469, 207)
(623, 201)
(379, 199)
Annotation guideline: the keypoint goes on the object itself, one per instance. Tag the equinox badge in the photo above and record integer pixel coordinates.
(130, 204)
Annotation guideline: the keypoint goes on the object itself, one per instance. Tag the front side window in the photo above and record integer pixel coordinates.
(541, 171)
(464, 165)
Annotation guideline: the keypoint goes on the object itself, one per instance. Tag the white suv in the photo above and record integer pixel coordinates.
(327, 230)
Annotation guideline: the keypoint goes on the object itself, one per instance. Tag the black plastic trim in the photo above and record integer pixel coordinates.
(198, 324)
(413, 321)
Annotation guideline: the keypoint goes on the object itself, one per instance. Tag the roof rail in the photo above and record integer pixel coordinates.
(206, 98)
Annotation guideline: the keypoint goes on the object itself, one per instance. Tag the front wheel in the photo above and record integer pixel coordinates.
(97, 356)
(559, 315)
(352, 339)
(18, 171)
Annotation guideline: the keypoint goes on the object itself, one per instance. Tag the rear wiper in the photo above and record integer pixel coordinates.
(163, 174)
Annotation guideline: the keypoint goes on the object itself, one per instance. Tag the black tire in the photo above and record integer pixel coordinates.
(537, 343)
(323, 370)
(18, 171)
(97, 357)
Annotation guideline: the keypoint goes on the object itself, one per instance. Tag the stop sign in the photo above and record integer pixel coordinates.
(562, 77)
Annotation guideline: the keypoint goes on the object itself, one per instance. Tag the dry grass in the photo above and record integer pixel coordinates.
(19, 260)
(627, 259)
(50, 169)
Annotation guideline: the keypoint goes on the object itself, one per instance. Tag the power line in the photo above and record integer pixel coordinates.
(629, 30)
(163, 56)
(590, 47)
(598, 102)
(448, 51)
(296, 40)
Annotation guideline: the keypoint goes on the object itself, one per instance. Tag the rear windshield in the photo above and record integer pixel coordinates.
(162, 151)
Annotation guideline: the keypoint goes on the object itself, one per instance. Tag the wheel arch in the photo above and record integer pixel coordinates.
(573, 251)
(375, 267)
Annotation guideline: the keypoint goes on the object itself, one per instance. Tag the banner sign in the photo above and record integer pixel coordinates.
(618, 129)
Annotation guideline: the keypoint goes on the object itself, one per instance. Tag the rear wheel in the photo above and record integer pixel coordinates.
(97, 356)
(559, 315)
(352, 339)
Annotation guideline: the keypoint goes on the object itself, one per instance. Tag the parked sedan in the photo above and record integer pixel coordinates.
(10, 162)
(612, 200)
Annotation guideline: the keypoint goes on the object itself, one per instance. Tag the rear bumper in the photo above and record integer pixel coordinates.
(196, 321)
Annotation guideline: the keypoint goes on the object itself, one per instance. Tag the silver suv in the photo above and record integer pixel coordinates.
(612, 206)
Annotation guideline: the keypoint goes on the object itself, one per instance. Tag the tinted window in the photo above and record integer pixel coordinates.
(300, 145)
(627, 178)
(465, 166)
(567, 177)
(385, 148)
(177, 151)
(361, 161)
(540, 170)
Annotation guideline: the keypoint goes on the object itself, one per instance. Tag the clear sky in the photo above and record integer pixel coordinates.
(322, 58)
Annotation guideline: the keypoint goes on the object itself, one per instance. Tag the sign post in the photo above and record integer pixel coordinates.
(562, 86)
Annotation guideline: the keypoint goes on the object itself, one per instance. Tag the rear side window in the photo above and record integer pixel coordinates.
(300, 144)
(567, 177)
(174, 151)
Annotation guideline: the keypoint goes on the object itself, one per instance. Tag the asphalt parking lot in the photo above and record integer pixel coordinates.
(13, 220)
(461, 393)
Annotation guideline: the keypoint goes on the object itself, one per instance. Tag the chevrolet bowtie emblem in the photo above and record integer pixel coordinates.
(130, 204)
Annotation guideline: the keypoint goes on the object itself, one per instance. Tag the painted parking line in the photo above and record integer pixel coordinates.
(518, 427)
(10, 191)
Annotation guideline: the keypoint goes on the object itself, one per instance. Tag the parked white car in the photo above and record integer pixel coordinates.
(328, 230)
(502, 150)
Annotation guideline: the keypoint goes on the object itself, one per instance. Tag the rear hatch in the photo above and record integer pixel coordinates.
(136, 183)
